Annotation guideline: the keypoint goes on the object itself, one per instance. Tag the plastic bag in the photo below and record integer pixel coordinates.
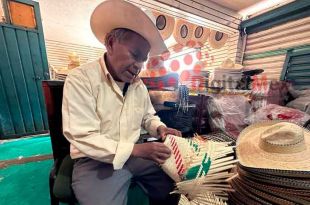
(268, 92)
(277, 112)
(301, 103)
(227, 113)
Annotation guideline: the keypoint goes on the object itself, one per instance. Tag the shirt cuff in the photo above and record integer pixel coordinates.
(153, 127)
(123, 152)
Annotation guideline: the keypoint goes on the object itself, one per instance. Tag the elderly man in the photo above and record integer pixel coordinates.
(105, 105)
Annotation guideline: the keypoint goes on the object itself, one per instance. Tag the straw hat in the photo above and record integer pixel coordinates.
(165, 24)
(112, 14)
(183, 31)
(200, 35)
(217, 39)
(229, 64)
(274, 145)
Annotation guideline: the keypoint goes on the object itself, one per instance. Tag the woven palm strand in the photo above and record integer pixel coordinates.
(206, 165)
(206, 198)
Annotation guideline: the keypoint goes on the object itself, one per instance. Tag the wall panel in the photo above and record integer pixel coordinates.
(267, 49)
(58, 52)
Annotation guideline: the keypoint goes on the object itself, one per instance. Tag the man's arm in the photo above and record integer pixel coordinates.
(81, 124)
(152, 123)
(155, 151)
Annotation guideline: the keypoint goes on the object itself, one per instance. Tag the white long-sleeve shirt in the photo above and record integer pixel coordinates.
(98, 121)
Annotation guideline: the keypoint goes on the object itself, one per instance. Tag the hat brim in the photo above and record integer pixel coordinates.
(251, 155)
(114, 14)
(180, 27)
(167, 29)
(276, 172)
(256, 193)
(269, 187)
(273, 181)
(200, 40)
(217, 44)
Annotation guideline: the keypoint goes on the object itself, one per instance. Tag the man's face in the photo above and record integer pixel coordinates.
(126, 58)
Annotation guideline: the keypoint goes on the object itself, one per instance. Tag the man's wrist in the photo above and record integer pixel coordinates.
(159, 128)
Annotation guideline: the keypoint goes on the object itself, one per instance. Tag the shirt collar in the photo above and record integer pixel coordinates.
(104, 67)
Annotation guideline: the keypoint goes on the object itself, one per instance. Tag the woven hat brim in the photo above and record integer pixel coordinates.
(250, 188)
(277, 172)
(242, 196)
(276, 181)
(287, 193)
(112, 14)
(178, 29)
(167, 30)
(203, 38)
(217, 44)
(251, 155)
(262, 194)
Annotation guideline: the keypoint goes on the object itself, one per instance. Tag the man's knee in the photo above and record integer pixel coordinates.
(94, 182)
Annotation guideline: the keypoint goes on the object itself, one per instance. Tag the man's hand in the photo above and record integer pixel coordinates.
(156, 151)
(163, 131)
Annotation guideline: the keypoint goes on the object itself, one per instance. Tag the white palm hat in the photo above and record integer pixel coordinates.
(274, 145)
(112, 14)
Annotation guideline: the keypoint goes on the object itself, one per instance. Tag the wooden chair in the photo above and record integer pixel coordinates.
(53, 91)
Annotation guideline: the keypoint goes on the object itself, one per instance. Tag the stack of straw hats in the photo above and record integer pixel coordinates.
(200, 168)
(274, 165)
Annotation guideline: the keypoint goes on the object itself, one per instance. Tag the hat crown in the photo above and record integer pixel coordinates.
(229, 64)
(283, 138)
(112, 14)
